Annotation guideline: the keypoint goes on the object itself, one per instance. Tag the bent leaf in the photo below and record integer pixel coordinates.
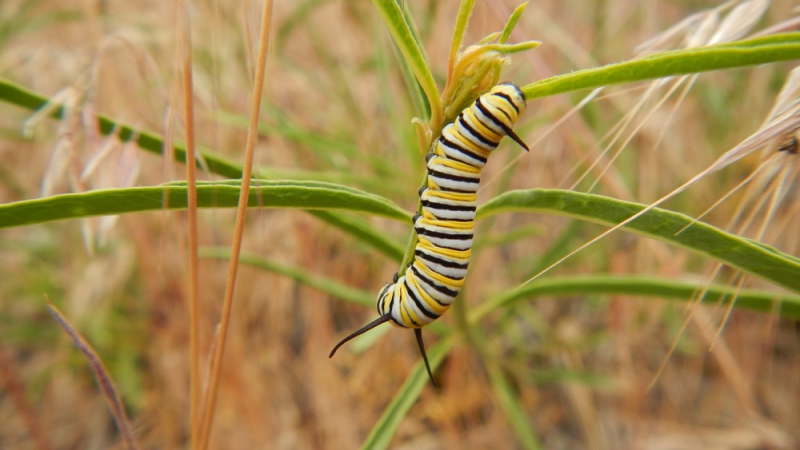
(324, 284)
(664, 225)
(756, 300)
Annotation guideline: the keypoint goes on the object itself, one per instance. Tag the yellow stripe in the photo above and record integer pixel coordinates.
(456, 165)
(486, 132)
(511, 93)
(409, 310)
(449, 224)
(497, 102)
(458, 254)
(454, 196)
(470, 146)
(449, 282)
(434, 305)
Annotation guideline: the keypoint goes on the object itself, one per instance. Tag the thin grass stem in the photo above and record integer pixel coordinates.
(241, 212)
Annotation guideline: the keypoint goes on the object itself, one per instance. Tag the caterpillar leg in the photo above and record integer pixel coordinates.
(418, 334)
(380, 320)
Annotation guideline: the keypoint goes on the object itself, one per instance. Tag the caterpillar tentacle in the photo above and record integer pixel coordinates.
(430, 284)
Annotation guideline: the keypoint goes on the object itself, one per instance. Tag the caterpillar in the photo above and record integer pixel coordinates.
(431, 282)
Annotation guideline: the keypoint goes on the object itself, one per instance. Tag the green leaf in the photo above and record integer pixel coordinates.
(735, 251)
(777, 47)
(756, 300)
(362, 231)
(412, 53)
(512, 22)
(384, 430)
(324, 284)
(225, 194)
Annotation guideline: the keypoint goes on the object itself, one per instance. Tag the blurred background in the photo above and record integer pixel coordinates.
(336, 109)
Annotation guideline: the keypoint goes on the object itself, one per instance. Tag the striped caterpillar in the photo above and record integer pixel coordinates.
(432, 281)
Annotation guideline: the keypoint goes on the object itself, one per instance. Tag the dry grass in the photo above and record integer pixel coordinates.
(331, 73)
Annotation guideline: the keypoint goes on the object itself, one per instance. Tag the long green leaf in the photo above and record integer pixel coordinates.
(735, 251)
(324, 284)
(265, 194)
(756, 300)
(778, 47)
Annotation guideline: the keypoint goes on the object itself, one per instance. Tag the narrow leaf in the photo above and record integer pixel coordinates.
(268, 194)
(778, 47)
(664, 225)
(324, 284)
(756, 300)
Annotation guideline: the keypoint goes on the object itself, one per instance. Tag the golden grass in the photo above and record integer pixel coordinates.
(331, 72)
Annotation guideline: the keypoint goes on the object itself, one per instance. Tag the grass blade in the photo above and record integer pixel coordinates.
(236, 245)
(324, 284)
(100, 374)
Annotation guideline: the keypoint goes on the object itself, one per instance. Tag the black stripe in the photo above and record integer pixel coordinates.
(475, 132)
(408, 313)
(380, 297)
(489, 114)
(510, 102)
(438, 234)
(447, 206)
(391, 305)
(420, 306)
(460, 191)
(448, 176)
(437, 286)
(442, 262)
(458, 148)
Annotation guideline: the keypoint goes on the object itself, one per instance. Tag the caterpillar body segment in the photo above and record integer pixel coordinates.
(430, 284)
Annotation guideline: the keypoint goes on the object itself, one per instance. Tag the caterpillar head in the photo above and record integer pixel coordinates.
(513, 94)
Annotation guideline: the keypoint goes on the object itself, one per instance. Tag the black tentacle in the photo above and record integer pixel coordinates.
(380, 320)
(418, 334)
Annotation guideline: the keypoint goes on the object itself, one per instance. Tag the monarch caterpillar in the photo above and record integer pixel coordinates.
(432, 281)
